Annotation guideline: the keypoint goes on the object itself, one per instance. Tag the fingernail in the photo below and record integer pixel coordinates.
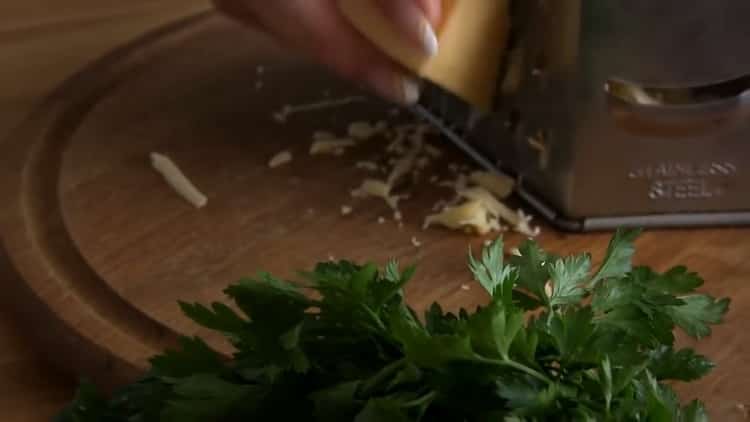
(412, 20)
(429, 39)
(393, 85)
(410, 91)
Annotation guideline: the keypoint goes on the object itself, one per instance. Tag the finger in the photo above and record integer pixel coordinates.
(433, 9)
(411, 18)
(320, 31)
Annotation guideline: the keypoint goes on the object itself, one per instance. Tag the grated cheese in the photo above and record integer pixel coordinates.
(402, 167)
(495, 207)
(433, 151)
(416, 242)
(346, 210)
(364, 130)
(367, 165)
(524, 225)
(537, 143)
(284, 157)
(472, 215)
(459, 184)
(330, 146)
(377, 189)
(499, 184)
(177, 180)
(518, 220)
(282, 115)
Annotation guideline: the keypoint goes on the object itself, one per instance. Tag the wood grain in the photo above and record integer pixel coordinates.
(41, 43)
(101, 248)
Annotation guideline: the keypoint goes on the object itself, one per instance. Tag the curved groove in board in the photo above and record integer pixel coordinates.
(118, 339)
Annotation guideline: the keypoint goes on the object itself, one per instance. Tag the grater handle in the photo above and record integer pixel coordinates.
(679, 112)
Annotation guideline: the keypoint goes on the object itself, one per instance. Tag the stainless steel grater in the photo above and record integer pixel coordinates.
(618, 113)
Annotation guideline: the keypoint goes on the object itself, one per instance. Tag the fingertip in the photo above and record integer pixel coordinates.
(433, 10)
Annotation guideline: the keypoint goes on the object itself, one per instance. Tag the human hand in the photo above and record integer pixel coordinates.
(317, 28)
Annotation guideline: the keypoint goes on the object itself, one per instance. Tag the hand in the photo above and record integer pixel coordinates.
(317, 28)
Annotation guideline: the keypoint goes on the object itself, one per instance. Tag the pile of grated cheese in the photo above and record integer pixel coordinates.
(477, 205)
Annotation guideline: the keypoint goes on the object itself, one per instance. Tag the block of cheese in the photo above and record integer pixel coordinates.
(473, 37)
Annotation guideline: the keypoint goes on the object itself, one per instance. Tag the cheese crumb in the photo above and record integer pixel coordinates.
(416, 242)
(381, 220)
(397, 216)
(177, 180)
(472, 215)
(524, 225)
(283, 115)
(433, 151)
(330, 146)
(537, 143)
(495, 207)
(459, 184)
(367, 165)
(518, 220)
(499, 184)
(515, 252)
(346, 210)
(465, 287)
(377, 189)
(278, 160)
(364, 130)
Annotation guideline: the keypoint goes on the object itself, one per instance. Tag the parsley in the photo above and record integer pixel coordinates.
(598, 346)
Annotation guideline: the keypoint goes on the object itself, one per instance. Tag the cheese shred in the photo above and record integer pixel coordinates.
(177, 180)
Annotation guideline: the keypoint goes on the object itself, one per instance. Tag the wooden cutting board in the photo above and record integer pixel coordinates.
(101, 249)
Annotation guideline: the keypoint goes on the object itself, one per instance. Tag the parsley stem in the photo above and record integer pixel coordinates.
(426, 399)
(509, 363)
(376, 319)
(381, 376)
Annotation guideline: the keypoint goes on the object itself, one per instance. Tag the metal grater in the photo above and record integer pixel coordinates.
(618, 113)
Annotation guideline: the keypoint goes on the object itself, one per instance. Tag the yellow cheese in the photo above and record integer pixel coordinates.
(497, 183)
(473, 37)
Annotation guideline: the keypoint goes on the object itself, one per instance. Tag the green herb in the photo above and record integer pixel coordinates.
(599, 347)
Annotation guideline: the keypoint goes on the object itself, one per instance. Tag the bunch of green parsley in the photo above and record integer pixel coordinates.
(557, 341)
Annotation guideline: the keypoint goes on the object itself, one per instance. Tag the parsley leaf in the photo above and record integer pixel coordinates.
(494, 328)
(532, 273)
(683, 365)
(698, 313)
(619, 256)
(568, 275)
(492, 273)
(349, 348)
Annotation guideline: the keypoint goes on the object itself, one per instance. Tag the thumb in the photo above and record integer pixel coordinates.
(417, 20)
